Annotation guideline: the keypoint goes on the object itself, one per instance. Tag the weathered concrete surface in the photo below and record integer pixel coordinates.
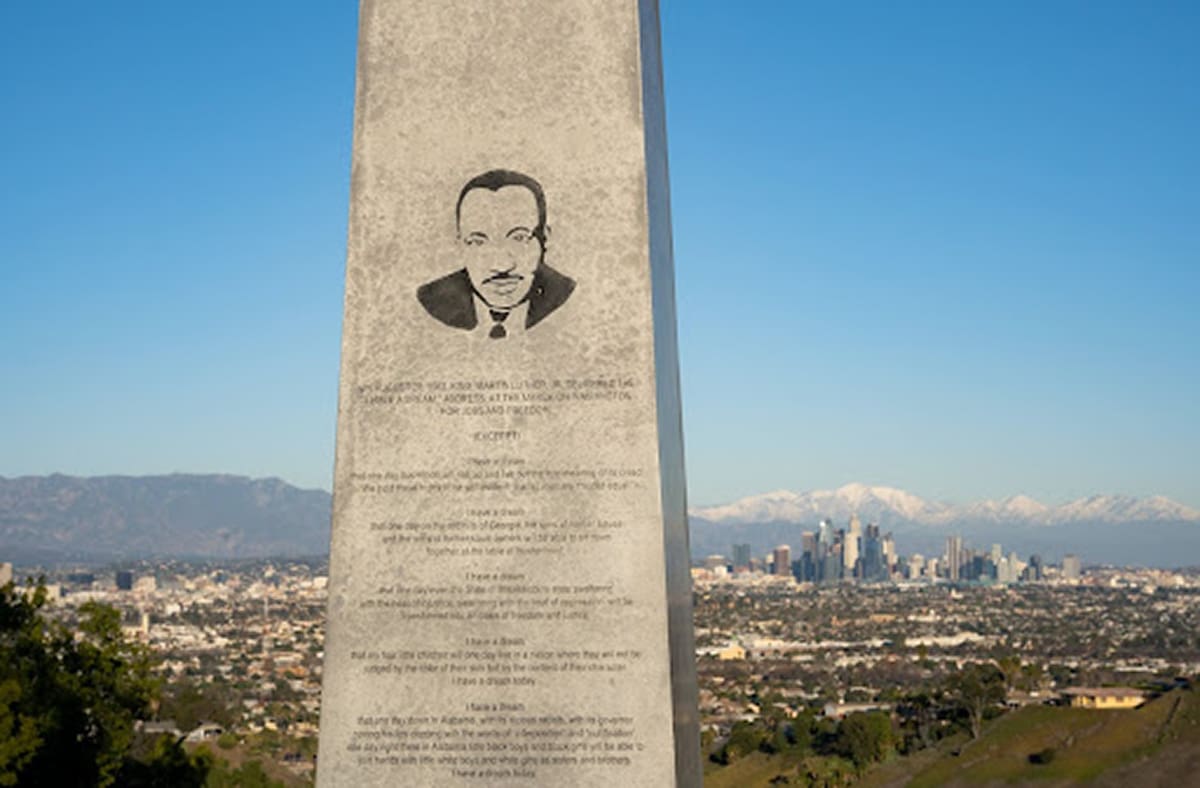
(509, 599)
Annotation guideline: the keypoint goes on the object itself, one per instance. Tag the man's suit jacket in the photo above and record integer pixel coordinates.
(451, 300)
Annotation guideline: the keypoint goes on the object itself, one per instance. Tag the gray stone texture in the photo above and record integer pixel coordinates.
(509, 596)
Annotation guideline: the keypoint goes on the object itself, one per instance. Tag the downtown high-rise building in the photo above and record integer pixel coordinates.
(853, 547)
(741, 556)
(808, 542)
(825, 535)
(874, 568)
(783, 560)
(826, 555)
(954, 556)
(805, 568)
(831, 564)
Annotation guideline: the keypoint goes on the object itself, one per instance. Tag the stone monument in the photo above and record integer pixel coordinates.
(509, 597)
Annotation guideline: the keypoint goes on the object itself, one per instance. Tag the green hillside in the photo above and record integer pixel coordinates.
(1076, 745)
(1155, 745)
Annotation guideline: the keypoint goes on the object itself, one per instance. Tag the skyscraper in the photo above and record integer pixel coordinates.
(808, 568)
(853, 547)
(783, 560)
(889, 552)
(825, 534)
(1071, 568)
(954, 557)
(826, 569)
(1003, 570)
(741, 556)
(873, 567)
(1015, 567)
(808, 542)
(831, 564)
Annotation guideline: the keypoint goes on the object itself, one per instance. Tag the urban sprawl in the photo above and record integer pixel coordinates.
(845, 626)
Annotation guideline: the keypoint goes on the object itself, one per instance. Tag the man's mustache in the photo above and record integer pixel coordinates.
(501, 276)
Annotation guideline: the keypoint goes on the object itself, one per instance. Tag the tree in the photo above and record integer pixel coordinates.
(1032, 677)
(69, 699)
(164, 763)
(1010, 666)
(744, 738)
(976, 689)
(865, 738)
(802, 731)
(919, 713)
(19, 739)
(190, 703)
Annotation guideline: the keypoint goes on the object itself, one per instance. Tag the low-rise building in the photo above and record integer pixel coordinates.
(1104, 697)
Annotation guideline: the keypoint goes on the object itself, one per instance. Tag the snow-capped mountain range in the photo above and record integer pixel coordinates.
(888, 506)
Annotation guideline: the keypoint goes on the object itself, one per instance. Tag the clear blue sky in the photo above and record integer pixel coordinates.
(950, 247)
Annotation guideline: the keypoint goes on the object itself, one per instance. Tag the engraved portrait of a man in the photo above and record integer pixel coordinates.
(505, 286)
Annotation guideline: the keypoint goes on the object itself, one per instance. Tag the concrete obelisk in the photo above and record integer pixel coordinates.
(509, 598)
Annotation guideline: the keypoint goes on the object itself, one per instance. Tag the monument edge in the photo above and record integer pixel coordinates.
(669, 414)
(342, 443)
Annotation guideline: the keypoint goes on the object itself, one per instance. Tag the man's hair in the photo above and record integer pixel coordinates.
(494, 180)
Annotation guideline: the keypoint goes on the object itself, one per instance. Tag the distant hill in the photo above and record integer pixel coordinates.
(1152, 531)
(51, 519)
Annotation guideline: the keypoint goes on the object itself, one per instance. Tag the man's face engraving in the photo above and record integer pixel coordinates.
(498, 229)
(501, 219)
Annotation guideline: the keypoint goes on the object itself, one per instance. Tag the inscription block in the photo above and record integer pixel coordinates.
(509, 598)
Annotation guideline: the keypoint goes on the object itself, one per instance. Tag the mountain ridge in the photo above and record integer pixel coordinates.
(61, 518)
(889, 505)
(70, 519)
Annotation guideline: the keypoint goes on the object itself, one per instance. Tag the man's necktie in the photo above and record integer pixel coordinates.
(498, 331)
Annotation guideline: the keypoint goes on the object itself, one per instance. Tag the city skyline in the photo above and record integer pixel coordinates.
(944, 252)
(861, 553)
